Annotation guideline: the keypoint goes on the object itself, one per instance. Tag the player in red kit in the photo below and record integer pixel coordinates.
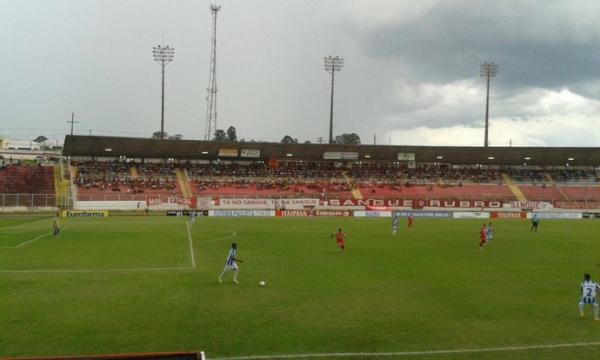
(339, 238)
(482, 236)
(410, 220)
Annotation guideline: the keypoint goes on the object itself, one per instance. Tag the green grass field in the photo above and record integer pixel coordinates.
(127, 284)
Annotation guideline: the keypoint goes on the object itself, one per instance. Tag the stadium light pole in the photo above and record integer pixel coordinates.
(163, 55)
(487, 70)
(332, 65)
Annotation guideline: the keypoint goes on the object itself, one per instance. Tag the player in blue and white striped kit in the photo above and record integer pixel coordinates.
(588, 295)
(230, 264)
(395, 221)
(489, 233)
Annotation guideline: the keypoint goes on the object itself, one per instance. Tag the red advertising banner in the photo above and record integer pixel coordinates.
(508, 215)
(170, 200)
(415, 203)
(307, 213)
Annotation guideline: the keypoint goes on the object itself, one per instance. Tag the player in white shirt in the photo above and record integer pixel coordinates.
(588, 295)
(489, 233)
(395, 221)
(230, 264)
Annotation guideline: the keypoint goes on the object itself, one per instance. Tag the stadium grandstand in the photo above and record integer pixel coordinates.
(134, 169)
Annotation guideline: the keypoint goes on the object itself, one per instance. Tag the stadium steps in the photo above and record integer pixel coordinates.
(563, 194)
(61, 185)
(184, 182)
(133, 172)
(514, 188)
(356, 194)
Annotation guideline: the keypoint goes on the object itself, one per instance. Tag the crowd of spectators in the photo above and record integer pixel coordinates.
(300, 177)
(542, 176)
(116, 176)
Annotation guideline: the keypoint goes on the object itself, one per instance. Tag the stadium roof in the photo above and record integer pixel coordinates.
(114, 147)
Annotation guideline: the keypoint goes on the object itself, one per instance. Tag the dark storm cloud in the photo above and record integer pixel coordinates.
(537, 44)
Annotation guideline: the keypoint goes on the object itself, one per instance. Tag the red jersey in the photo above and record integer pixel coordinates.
(339, 236)
(482, 233)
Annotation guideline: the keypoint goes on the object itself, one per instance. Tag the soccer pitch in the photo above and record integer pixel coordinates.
(145, 284)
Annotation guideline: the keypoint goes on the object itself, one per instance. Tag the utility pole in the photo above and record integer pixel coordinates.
(72, 122)
(487, 70)
(333, 64)
(163, 55)
(211, 96)
(320, 139)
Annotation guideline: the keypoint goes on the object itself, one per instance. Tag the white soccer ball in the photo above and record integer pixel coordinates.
(262, 283)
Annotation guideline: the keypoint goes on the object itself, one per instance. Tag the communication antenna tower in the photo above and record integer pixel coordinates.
(211, 96)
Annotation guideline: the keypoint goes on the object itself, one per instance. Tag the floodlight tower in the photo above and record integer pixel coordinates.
(163, 55)
(211, 96)
(487, 70)
(332, 65)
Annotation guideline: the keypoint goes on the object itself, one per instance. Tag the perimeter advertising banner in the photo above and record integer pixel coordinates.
(414, 203)
(424, 214)
(508, 215)
(308, 213)
(300, 203)
(166, 201)
(241, 213)
(85, 213)
(556, 215)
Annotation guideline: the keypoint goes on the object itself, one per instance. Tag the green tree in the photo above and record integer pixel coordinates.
(220, 135)
(289, 140)
(348, 139)
(231, 134)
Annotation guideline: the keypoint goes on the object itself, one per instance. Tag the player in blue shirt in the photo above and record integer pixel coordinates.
(588, 291)
(231, 264)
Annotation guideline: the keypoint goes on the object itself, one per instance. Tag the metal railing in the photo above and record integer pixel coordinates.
(30, 201)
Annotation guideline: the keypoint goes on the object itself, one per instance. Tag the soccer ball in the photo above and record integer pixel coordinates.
(262, 283)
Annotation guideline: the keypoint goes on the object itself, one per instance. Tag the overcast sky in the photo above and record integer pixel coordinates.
(411, 72)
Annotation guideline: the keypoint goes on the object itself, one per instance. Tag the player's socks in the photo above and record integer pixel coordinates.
(220, 280)
(595, 312)
(235, 281)
(581, 310)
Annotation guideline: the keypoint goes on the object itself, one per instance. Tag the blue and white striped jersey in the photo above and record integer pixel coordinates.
(588, 291)
(231, 256)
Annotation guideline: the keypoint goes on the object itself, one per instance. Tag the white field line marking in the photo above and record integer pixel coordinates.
(232, 234)
(23, 224)
(122, 270)
(32, 240)
(408, 353)
(26, 242)
(97, 270)
(187, 223)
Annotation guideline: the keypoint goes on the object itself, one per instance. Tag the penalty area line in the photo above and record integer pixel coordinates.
(187, 224)
(123, 270)
(408, 353)
(26, 242)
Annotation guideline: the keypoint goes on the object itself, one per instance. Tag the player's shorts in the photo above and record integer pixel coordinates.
(340, 242)
(588, 300)
(233, 266)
